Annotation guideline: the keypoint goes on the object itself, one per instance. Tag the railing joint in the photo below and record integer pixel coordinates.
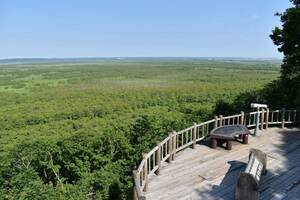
(221, 120)
(194, 134)
(145, 172)
(158, 158)
(282, 117)
(170, 145)
(242, 118)
(174, 142)
(216, 121)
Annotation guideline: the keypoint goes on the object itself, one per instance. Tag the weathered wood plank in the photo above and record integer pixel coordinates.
(204, 173)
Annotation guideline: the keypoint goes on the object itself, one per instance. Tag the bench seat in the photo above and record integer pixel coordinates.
(248, 182)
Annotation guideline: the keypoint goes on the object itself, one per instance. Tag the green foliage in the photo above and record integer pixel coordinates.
(296, 3)
(77, 130)
(288, 40)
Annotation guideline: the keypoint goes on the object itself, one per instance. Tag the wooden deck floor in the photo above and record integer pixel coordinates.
(205, 173)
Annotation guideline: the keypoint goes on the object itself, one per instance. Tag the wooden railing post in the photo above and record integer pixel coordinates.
(267, 118)
(297, 114)
(282, 117)
(288, 116)
(134, 195)
(242, 118)
(145, 172)
(170, 147)
(262, 119)
(221, 120)
(194, 134)
(216, 121)
(174, 145)
(158, 158)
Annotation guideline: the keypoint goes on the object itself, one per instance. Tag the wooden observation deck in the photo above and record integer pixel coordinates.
(183, 166)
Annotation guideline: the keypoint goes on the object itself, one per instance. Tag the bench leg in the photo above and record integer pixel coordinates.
(219, 142)
(213, 143)
(229, 144)
(245, 139)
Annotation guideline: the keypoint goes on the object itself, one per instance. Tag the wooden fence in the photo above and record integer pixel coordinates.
(166, 150)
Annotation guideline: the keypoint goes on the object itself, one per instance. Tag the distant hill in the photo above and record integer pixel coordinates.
(131, 59)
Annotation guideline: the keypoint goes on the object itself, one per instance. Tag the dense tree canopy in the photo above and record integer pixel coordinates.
(296, 3)
(287, 38)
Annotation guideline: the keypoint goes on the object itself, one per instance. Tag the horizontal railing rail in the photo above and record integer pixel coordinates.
(166, 150)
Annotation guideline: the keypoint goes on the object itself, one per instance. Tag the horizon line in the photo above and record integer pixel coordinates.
(120, 57)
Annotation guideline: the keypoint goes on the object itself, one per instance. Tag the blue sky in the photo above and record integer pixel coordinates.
(138, 28)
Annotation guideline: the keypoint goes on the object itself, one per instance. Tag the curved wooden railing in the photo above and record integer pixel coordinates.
(177, 141)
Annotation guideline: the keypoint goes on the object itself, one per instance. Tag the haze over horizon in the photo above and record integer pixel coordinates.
(55, 29)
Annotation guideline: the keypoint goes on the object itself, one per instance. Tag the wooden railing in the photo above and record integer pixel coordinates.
(177, 141)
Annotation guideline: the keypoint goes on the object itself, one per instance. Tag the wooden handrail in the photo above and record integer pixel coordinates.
(177, 141)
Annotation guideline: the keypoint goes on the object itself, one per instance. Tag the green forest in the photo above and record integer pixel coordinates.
(76, 130)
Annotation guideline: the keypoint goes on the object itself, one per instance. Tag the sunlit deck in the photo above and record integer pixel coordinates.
(205, 173)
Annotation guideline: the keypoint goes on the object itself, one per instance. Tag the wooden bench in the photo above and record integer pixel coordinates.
(248, 183)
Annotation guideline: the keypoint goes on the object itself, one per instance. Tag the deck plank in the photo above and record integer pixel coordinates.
(205, 173)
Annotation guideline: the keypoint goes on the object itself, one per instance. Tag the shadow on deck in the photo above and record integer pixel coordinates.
(205, 173)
